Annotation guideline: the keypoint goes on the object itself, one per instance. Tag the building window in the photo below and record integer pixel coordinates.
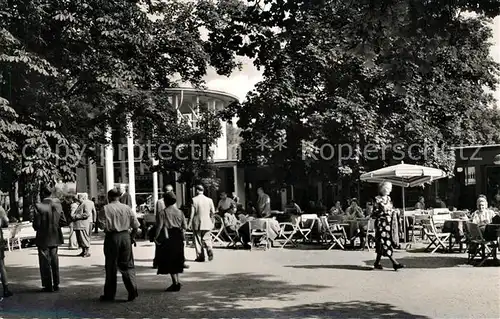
(470, 176)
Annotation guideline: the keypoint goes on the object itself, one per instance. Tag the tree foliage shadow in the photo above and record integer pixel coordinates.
(344, 267)
(204, 294)
(426, 262)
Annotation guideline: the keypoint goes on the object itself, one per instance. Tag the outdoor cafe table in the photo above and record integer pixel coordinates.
(456, 228)
(274, 227)
(351, 227)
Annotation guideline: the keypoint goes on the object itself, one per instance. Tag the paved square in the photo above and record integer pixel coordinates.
(262, 284)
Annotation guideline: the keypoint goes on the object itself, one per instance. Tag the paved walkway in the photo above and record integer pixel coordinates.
(262, 284)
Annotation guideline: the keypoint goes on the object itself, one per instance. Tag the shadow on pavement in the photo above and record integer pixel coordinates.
(203, 295)
(421, 262)
(345, 267)
(425, 262)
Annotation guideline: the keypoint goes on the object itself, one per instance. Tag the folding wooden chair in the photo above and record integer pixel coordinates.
(334, 232)
(478, 245)
(9, 235)
(259, 228)
(370, 233)
(306, 225)
(217, 230)
(437, 239)
(232, 235)
(288, 231)
(13, 238)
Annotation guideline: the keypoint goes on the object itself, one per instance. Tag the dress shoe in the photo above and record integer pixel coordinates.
(46, 290)
(106, 299)
(200, 260)
(86, 255)
(210, 255)
(378, 266)
(7, 293)
(174, 288)
(186, 266)
(56, 288)
(398, 266)
(133, 295)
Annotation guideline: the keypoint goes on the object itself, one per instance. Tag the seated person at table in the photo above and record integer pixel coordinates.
(293, 208)
(244, 231)
(496, 220)
(483, 215)
(439, 203)
(337, 209)
(231, 222)
(354, 211)
(369, 209)
(251, 210)
(320, 208)
(225, 204)
(421, 203)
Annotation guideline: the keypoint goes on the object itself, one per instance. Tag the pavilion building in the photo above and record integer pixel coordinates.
(121, 163)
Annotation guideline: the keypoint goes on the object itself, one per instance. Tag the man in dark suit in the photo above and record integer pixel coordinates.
(47, 222)
(125, 197)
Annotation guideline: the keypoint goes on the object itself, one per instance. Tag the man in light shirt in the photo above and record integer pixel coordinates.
(225, 204)
(117, 220)
(202, 212)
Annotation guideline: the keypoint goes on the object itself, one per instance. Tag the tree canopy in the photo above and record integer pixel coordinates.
(70, 69)
(388, 80)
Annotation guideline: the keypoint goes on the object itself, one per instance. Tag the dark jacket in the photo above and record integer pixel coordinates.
(4, 222)
(47, 222)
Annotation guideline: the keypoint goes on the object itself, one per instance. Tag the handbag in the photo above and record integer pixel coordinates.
(162, 236)
(151, 233)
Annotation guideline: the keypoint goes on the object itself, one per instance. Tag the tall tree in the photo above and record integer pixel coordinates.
(378, 80)
(70, 69)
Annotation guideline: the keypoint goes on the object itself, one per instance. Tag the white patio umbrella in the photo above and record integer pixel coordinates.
(404, 175)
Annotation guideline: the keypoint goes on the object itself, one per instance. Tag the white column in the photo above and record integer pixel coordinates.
(155, 185)
(235, 174)
(123, 165)
(161, 182)
(92, 179)
(130, 160)
(178, 190)
(108, 162)
(183, 192)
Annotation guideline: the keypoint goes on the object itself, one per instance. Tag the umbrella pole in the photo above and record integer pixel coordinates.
(404, 220)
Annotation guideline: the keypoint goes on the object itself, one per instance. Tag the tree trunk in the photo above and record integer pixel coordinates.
(14, 201)
(30, 194)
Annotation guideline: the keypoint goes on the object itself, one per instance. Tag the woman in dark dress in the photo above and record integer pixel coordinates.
(170, 227)
(382, 213)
